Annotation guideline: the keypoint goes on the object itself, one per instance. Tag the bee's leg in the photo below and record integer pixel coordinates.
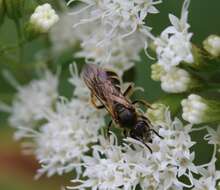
(114, 78)
(125, 133)
(108, 128)
(116, 81)
(143, 102)
(94, 102)
(129, 90)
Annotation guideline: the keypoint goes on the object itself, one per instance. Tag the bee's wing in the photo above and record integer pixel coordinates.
(100, 82)
(97, 81)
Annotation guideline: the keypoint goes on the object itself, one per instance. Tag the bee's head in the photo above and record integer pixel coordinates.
(141, 131)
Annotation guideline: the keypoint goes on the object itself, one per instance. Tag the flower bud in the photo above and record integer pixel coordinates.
(14, 8)
(43, 18)
(212, 45)
(157, 113)
(176, 80)
(156, 72)
(2, 11)
(198, 110)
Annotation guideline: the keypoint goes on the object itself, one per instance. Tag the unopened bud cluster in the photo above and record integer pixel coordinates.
(176, 80)
(212, 45)
(43, 18)
(197, 109)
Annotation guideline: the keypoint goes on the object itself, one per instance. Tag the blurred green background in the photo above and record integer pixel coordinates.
(17, 170)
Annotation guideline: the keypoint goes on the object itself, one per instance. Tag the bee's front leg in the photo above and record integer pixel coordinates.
(129, 90)
(143, 102)
(125, 133)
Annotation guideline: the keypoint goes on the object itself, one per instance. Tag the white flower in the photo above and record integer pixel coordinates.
(65, 138)
(114, 166)
(173, 46)
(194, 109)
(120, 17)
(43, 18)
(213, 136)
(30, 102)
(176, 80)
(212, 45)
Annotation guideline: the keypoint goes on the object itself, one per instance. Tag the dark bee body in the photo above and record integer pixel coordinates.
(105, 87)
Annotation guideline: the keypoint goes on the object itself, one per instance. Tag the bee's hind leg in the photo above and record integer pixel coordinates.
(93, 101)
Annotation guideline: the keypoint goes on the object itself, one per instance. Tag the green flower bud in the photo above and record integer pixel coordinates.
(156, 113)
(156, 72)
(14, 8)
(2, 11)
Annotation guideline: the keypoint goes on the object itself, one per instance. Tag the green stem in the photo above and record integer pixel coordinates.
(12, 47)
(19, 41)
(212, 86)
(48, 49)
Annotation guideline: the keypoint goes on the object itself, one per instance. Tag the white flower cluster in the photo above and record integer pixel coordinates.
(69, 131)
(66, 136)
(30, 101)
(173, 47)
(43, 18)
(119, 17)
(109, 31)
(60, 132)
(117, 54)
(113, 166)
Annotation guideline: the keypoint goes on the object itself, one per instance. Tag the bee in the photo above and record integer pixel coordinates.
(105, 87)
